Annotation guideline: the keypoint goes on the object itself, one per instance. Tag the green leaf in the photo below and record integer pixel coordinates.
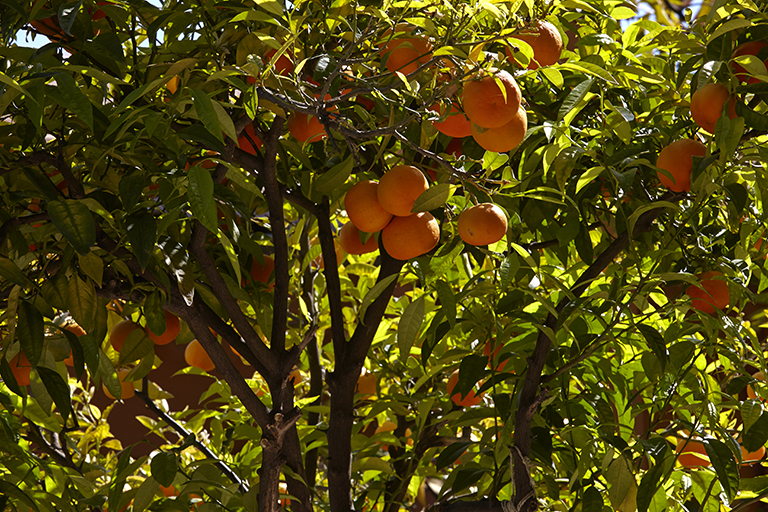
(8, 489)
(136, 346)
(199, 133)
(374, 293)
(206, 113)
(75, 222)
(231, 253)
(725, 466)
(8, 379)
(738, 194)
(130, 188)
(335, 177)
(145, 494)
(447, 300)
(108, 375)
(164, 468)
(141, 228)
(592, 501)
(620, 480)
(30, 330)
(11, 273)
(200, 193)
(93, 267)
(82, 302)
(493, 160)
(57, 388)
(153, 311)
(42, 182)
(648, 487)
(409, 326)
(227, 126)
(71, 97)
(756, 435)
(471, 370)
(432, 198)
(655, 342)
(574, 98)
(752, 119)
(450, 453)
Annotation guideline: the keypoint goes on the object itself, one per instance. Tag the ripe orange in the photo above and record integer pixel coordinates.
(468, 400)
(482, 224)
(20, 368)
(247, 139)
(262, 273)
(454, 124)
(363, 208)
(305, 128)
(486, 103)
(402, 53)
(505, 138)
(195, 355)
(172, 328)
(399, 188)
(692, 454)
(707, 105)
(677, 159)
(750, 48)
(349, 238)
(712, 295)
(120, 332)
(748, 457)
(126, 388)
(408, 237)
(545, 41)
(366, 384)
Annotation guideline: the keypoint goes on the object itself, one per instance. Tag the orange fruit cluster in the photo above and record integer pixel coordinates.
(493, 103)
(386, 206)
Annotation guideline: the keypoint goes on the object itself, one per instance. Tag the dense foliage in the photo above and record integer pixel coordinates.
(163, 158)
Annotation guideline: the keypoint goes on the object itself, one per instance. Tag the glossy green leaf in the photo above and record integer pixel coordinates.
(409, 326)
(75, 222)
(141, 228)
(57, 388)
(201, 200)
(206, 113)
(164, 468)
(30, 331)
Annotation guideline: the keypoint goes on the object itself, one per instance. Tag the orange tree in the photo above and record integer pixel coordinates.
(184, 167)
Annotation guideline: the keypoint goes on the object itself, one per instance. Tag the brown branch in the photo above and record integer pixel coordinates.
(185, 434)
(263, 360)
(530, 392)
(273, 196)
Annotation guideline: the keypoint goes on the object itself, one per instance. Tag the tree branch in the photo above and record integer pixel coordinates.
(530, 392)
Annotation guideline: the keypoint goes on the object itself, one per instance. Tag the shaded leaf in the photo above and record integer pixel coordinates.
(75, 222)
